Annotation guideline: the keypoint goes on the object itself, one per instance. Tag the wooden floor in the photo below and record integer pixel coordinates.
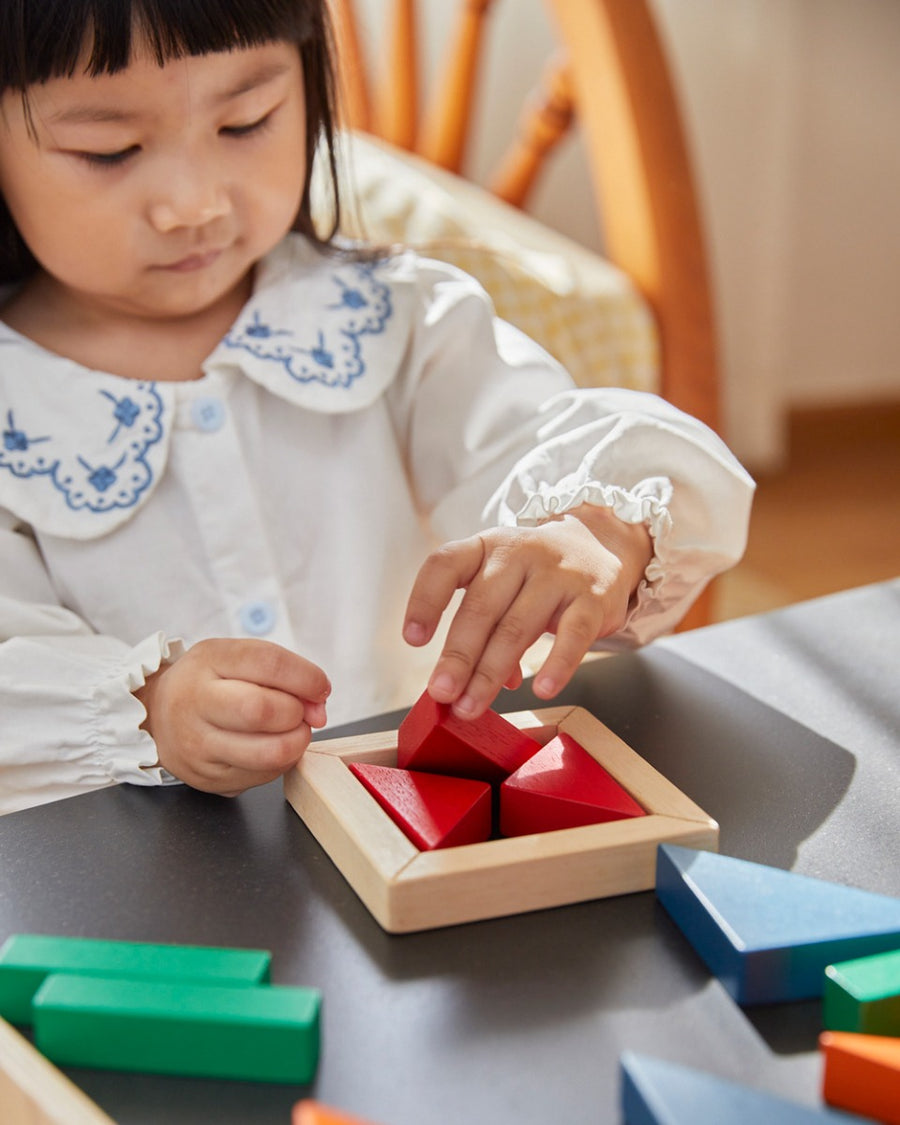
(830, 521)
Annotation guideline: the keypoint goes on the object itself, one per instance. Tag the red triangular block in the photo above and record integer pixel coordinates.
(561, 786)
(433, 810)
(433, 739)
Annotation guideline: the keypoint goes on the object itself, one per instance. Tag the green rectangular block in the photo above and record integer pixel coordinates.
(27, 959)
(264, 1034)
(863, 995)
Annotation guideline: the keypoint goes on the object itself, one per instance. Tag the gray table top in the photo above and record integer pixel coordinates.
(784, 727)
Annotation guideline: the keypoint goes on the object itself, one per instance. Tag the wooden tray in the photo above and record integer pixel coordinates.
(406, 889)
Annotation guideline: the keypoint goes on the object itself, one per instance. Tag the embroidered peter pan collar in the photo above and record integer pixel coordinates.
(82, 449)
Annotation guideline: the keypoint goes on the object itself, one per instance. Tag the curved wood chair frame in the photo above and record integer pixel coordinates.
(609, 73)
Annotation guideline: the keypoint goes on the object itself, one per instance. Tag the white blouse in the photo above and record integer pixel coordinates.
(355, 415)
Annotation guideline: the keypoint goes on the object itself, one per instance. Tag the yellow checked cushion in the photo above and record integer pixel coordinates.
(583, 310)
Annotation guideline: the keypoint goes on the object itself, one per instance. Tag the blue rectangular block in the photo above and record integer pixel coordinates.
(656, 1092)
(769, 934)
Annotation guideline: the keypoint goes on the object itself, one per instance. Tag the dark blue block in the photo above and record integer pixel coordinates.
(769, 934)
(655, 1092)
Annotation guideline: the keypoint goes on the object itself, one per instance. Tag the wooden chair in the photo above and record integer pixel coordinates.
(608, 73)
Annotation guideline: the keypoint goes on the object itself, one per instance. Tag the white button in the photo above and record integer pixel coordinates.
(258, 618)
(208, 414)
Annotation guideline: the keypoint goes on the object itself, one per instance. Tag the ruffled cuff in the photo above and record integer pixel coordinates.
(136, 749)
(71, 723)
(647, 503)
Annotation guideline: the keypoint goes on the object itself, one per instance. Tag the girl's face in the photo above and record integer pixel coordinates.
(153, 191)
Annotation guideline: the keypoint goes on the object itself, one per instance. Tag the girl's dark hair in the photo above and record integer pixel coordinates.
(44, 39)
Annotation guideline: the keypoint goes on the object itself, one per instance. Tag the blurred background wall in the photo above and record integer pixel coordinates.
(793, 115)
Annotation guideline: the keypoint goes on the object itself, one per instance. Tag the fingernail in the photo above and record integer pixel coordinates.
(545, 686)
(442, 685)
(415, 633)
(465, 706)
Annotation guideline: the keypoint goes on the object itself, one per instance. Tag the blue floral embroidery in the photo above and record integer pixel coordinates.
(334, 357)
(103, 477)
(126, 412)
(257, 330)
(102, 481)
(17, 441)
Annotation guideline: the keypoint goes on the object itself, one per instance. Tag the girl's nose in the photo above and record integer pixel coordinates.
(190, 200)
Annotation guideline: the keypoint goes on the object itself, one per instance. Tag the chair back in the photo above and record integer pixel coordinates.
(608, 74)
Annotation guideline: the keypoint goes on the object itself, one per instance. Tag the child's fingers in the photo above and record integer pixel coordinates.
(236, 705)
(515, 678)
(578, 627)
(268, 755)
(268, 665)
(314, 714)
(232, 762)
(444, 571)
(218, 722)
(485, 644)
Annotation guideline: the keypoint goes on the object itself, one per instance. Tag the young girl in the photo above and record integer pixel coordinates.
(242, 471)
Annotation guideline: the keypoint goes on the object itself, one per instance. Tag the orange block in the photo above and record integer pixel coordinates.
(562, 786)
(433, 810)
(309, 1112)
(862, 1074)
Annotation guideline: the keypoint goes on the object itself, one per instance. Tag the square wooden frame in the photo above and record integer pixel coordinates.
(406, 889)
(34, 1092)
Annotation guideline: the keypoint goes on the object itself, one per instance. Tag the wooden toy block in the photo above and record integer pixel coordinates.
(656, 1092)
(406, 889)
(34, 1092)
(561, 786)
(433, 810)
(264, 1034)
(862, 1074)
(433, 739)
(769, 934)
(864, 995)
(26, 959)
(309, 1112)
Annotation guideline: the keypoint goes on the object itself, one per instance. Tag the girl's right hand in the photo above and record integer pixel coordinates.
(231, 714)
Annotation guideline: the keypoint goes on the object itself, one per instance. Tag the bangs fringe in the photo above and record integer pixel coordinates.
(40, 41)
(44, 39)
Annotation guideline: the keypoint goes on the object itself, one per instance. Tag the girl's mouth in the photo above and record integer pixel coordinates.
(193, 262)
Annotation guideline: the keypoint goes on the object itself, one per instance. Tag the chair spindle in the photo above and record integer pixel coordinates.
(545, 120)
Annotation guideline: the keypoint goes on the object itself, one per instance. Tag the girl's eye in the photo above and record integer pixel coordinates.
(108, 159)
(246, 130)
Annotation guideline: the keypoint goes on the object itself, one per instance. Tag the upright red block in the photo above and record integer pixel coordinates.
(433, 810)
(561, 786)
(433, 739)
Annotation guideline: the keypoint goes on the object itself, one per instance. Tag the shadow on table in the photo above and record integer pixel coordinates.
(149, 1099)
(769, 781)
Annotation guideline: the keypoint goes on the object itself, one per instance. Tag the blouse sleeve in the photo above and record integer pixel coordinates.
(70, 721)
(498, 435)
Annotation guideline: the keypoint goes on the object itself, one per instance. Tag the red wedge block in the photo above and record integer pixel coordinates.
(433, 739)
(561, 786)
(433, 810)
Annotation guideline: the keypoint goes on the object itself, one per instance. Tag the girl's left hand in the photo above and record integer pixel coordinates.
(573, 576)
